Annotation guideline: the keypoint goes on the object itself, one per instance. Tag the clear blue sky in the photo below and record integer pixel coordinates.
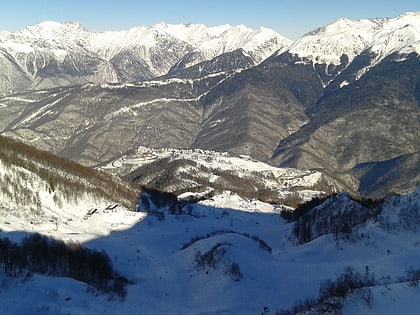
(290, 18)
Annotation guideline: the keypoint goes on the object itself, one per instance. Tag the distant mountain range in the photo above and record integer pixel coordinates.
(343, 99)
(53, 54)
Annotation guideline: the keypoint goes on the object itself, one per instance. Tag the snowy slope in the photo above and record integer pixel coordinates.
(34, 46)
(351, 37)
(161, 255)
(39, 189)
(400, 35)
(257, 43)
(327, 44)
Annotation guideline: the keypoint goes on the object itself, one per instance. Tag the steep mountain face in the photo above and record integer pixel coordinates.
(228, 111)
(257, 44)
(327, 45)
(249, 112)
(333, 47)
(51, 54)
(372, 120)
(54, 54)
(369, 111)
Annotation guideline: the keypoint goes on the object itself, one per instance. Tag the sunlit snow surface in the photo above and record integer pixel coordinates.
(380, 36)
(60, 40)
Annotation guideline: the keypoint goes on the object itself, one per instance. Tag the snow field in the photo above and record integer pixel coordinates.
(167, 279)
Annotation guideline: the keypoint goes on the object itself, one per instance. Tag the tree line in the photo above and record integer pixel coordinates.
(70, 178)
(42, 255)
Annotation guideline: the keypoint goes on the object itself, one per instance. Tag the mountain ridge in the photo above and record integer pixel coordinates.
(51, 54)
(69, 52)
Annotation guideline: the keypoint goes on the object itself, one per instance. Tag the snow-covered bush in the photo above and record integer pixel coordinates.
(345, 283)
(263, 245)
(235, 271)
(413, 276)
(336, 215)
(210, 258)
(333, 292)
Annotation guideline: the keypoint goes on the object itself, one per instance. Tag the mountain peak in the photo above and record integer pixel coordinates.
(410, 15)
(47, 26)
(399, 35)
(53, 30)
(350, 37)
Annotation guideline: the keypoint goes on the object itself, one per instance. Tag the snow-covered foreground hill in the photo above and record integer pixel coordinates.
(229, 256)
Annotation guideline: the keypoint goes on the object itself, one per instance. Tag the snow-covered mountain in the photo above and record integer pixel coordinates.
(54, 54)
(257, 44)
(367, 83)
(328, 43)
(382, 36)
(399, 35)
(339, 43)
